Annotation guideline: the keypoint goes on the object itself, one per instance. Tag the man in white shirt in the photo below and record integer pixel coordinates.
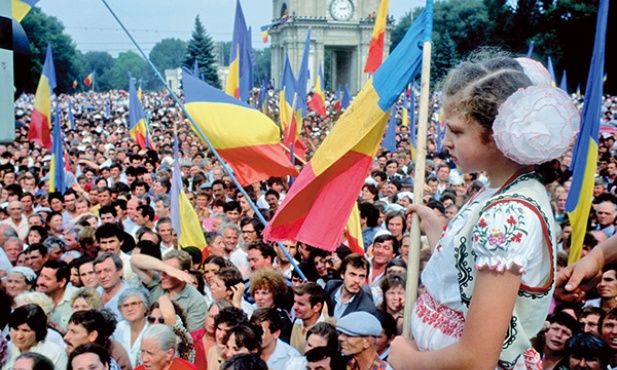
(274, 351)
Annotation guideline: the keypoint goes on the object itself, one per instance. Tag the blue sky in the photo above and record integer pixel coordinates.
(92, 27)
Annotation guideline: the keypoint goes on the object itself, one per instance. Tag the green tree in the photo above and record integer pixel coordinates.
(262, 68)
(117, 76)
(166, 54)
(201, 48)
(41, 29)
(100, 62)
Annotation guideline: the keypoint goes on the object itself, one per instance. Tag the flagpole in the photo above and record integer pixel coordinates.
(413, 259)
(204, 138)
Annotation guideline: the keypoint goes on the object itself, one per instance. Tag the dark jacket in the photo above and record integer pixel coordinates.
(363, 301)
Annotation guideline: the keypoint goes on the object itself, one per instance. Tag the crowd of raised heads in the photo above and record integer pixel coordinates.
(94, 278)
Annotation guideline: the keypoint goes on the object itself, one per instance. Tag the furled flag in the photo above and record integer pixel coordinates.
(327, 188)
(376, 47)
(184, 219)
(137, 117)
(585, 153)
(353, 231)
(551, 71)
(441, 130)
(246, 139)
(262, 101)
(74, 84)
(89, 80)
(241, 59)
(389, 140)
(71, 124)
(22, 7)
(290, 116)
(564, 82)
(337, 99)
(303, 76)
(604, 78)
(140, 90)
(578, 90)
(56, 166)
(347, 98)
(530, 50)
(412, 124)
(318, 100)
(40, 121)
(264, 33)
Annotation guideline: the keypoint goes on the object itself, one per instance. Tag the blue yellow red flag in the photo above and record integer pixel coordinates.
(585, 153)
(89, 80)
(353, 231)
(40, 120)
(241, 59)
(244, 137)
(328, 187)
(264, 33)
(376, 47)
(56, 166)
(303, 76)
(318, 100)
(184, 219)
(137, 117)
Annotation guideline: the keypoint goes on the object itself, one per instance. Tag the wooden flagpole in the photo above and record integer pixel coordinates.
(413, 260)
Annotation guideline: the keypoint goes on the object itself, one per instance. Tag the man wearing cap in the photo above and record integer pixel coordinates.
(357, 333)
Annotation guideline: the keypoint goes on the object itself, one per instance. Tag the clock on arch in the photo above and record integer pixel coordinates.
(342, 10)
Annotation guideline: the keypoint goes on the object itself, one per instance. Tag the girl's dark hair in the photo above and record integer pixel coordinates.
(247, 335)
(89, 348)
(32, 315)
(217, 260)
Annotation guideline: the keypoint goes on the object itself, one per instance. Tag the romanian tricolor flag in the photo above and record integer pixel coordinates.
(241, 59)
(264, 33)
(89, 80)
(347, 98)
(56, 167)
(184, 219)
(74, 84)
(353, 231)
(40, 122)
(337, 99)
(376, 47)
(585, 153)
(262, 101)
(71, 125)
(318, 101)
(22, 7)
(303, 76)
(327, 188)
(604, 78)
(290, 115)
(389, 139)
(137, 117)
(551, 71)
(246, 139)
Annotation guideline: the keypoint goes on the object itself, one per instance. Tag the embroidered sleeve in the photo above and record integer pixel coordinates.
(507, 236)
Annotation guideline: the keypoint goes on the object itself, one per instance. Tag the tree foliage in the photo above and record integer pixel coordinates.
(562, 29)
(117, 76)
(166, 54)
(41, 29)
(201, 48)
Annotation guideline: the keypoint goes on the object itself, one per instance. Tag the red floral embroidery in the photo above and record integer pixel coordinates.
(517, 238)
(482, 223)
(511, 220)
(447, 320)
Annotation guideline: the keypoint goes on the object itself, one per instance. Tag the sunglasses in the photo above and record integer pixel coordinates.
(151, 319)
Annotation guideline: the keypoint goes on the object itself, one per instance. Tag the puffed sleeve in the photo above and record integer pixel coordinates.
(508, 235)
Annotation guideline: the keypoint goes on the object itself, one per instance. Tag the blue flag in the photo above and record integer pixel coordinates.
(389, 140)
(56, 171)
(346, 98)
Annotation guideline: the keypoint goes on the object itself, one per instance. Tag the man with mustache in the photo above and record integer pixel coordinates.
(53, 280)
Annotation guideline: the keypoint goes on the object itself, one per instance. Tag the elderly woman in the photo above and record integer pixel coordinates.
(133, 305)
(28, 327)
(158, 348)
(20, 279)
(165, 311)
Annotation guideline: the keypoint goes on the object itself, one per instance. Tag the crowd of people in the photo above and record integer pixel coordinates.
(94, 278)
